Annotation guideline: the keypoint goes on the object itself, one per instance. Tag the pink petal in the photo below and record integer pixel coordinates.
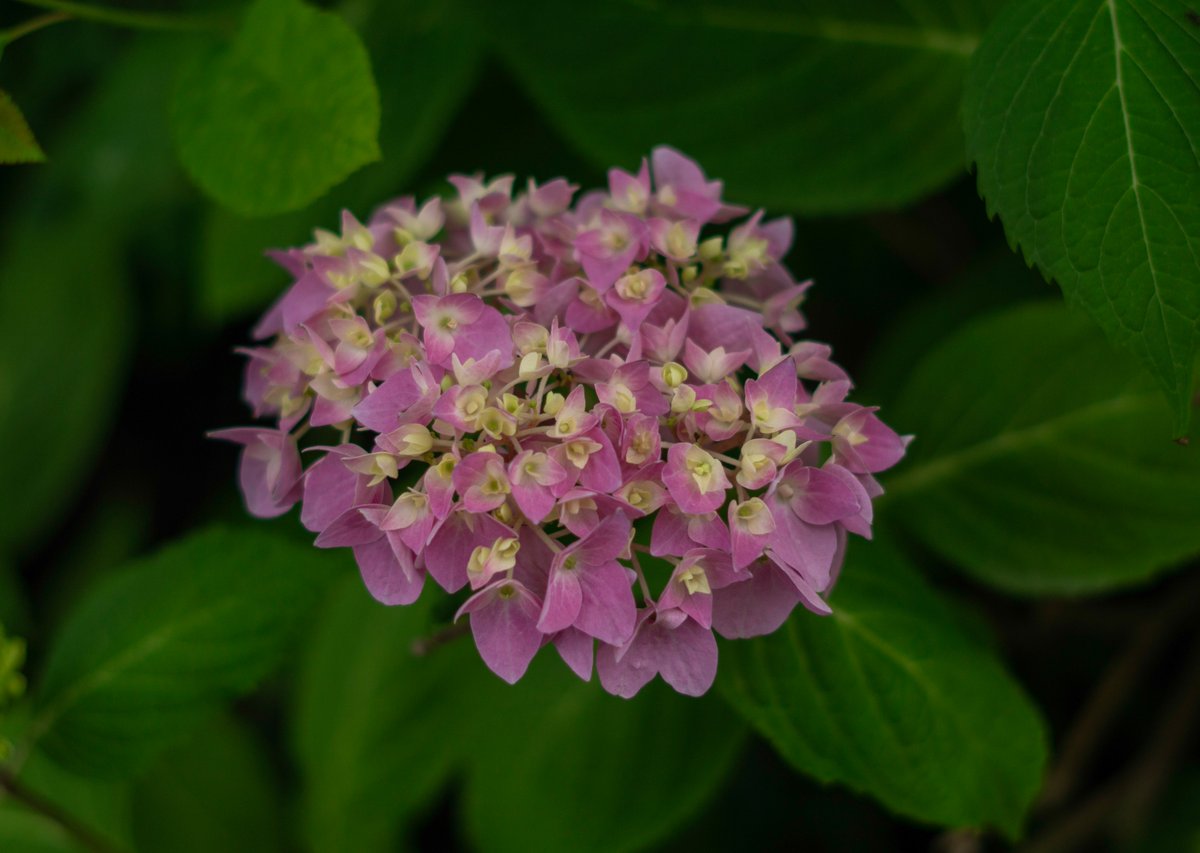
(687, 657)
(608, 612)
(503, 618)
(757, 606)
(353, 527)
(669, 535)
(564, 598)
(457, 536)
(807, 549)
(820, 497)
(605, 543)
(602, 473)
(534, 500)
(388, 573)
(382, 409)
(577, 650)
(330, 488)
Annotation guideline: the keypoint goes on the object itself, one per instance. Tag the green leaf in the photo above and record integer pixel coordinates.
(285, 112)
(214, 792)
(379, 732)
(802, 106)
(64, 336)
(428, 54)
(570, 767)
(27, 832)
(17, 144)
(1042, 462)
(890, 697)
(1083, 119)
(157, 648)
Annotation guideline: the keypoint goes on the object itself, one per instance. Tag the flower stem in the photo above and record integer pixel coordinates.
(10, 35)
(35, 802)
(744, 301)
(545, 537)
(647, 598)
(424, 645)
(135, 19)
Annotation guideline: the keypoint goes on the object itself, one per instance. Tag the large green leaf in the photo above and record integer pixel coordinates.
(552, 763)
(804, 106)
(891, 697)
(17, 144)
(1083, 119)
(285, 112)
(378, 731)
(64, 337)
(28, 832)
(213, 792)
(569, 767)
(1043, 461)
(425, 56)
(155, 649)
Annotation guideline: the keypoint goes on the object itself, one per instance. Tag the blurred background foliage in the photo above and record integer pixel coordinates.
(238, 690)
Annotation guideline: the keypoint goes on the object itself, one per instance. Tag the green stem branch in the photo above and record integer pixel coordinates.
(35, 802)
(424, 645)
(136, 19)
(10, 35)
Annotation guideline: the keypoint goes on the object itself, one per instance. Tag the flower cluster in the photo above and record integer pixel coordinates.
(592, 413)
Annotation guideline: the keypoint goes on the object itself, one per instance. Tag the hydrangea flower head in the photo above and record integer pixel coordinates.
(590, 418)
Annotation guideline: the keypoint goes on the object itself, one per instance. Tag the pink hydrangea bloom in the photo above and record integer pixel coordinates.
(590, 421)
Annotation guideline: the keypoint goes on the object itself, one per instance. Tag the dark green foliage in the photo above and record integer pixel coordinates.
(1028, 421)
(380, 731)
(891, 697)
(280, 115)
(1083, 120)
(239, 690)
(160, 645)
(808, 106)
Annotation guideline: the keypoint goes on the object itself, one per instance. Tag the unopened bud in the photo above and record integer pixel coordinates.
(554, 403)
(384, 306)
(711, 249)
(674, 374)
(683, 399)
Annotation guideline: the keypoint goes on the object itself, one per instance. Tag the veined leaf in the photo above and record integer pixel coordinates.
(802, 106)
(1043, 462)
(426, 54)
(281, 115)
(155, 649)
(1083, 119)
(892, 698)
(607, 774)
(380, 731)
